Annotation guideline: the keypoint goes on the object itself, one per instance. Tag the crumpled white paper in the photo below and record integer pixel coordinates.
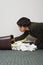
(23, 46)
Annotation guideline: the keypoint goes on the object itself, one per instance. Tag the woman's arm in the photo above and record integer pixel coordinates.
(21, 37)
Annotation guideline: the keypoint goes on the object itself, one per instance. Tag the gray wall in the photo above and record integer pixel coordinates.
(12, 10)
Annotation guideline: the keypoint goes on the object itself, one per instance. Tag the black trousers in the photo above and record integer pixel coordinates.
(39, 43)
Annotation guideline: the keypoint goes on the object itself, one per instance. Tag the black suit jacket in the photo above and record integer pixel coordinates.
(36, 30)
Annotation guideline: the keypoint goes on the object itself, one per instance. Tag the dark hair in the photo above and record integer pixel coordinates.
(23, 22)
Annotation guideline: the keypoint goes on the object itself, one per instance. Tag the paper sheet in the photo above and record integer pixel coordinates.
(23, 46)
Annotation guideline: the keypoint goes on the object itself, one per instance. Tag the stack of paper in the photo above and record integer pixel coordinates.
(23, 46)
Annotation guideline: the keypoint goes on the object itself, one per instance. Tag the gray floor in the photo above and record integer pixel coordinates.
(9, 57)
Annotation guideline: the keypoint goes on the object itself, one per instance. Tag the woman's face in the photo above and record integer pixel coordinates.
(22, 29)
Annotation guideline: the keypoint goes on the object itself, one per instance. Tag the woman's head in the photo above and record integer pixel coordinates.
(23, 24)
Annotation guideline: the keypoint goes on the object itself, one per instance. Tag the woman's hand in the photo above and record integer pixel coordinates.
(13, 40)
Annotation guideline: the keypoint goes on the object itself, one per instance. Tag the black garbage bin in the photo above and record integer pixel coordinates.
(5, 42)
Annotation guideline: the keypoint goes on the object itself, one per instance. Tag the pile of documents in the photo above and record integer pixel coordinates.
(23, 46)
